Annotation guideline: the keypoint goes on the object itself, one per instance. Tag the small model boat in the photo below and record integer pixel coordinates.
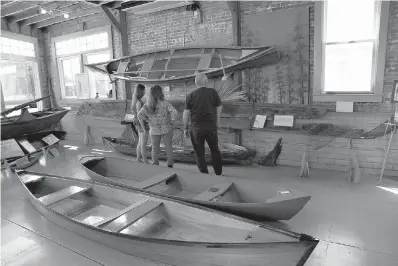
(176, 65)
(255, 200)
(230, 153)
(26, 123)
(160, 229)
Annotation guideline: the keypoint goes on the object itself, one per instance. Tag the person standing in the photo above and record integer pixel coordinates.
(160, 115)
(203, 106)
(136, 106)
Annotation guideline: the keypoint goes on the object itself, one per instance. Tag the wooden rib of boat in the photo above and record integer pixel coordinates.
(230, 153)
(160, 229)
(36, 140)
(26, 123)
(176, 65)
(255, 200)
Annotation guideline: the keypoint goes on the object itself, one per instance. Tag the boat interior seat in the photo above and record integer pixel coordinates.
(62, 194)
(155, 180)
(128, 216)
(30, 178)
(214, 191)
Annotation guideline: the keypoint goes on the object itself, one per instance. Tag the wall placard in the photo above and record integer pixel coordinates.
(10, 148)
(283, 120)
(27, 145)
(50, 139)
(259, 122)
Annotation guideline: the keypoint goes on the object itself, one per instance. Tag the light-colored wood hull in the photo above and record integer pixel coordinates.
(266, 202)
(181, 64)
(293, 251)
(16, 128)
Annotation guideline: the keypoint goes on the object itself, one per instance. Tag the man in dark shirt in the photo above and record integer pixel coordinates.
(204, 107)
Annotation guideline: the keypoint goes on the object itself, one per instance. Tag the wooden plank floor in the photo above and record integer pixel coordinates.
(355, 223)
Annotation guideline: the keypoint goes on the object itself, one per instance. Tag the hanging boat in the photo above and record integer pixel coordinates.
(230, 153)
(255, 200)
(33, 143)
(160, 229)
(176, 65)
(26, 123)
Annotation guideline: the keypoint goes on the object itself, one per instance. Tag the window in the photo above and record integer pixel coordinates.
(76, 50)
(350, 50)
(15, 47)
(19, 75)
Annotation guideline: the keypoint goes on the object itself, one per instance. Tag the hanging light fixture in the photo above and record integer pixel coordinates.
(66, 15)
(43, 11)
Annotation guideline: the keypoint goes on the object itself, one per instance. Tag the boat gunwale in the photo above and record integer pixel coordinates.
(189, 76)
(308, 240)
(212, 203)
(186, 48)
(13, 122)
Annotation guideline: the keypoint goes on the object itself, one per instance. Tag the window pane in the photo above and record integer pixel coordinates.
(348, 67)
(349, 21)
(98, 82)
(18, 81)
(70, 67)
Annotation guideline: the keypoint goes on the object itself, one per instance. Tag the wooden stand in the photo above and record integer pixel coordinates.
(394, 125)
(305, 170)
(354, 172)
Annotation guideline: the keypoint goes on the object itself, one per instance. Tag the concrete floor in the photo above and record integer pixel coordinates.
(357, 224)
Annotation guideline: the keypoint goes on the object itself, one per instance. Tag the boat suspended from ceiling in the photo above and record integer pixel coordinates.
(175, 65)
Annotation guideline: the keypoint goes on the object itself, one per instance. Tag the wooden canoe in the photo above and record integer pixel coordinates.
(230, 153)
(26, 123)
(250, 199)
(36, 140)
(160, 229)
(174, 65)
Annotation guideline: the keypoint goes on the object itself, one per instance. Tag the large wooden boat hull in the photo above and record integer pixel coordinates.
(26, 123)
(214, 238)
(181, 64)
(255, 200)
(230, 154)
(36, 140)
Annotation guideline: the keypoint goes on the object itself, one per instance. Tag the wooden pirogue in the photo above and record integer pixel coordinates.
(230, 153)
(181, 64)
(36, 140)
(250, 199)
(25, 123)
(160, 229)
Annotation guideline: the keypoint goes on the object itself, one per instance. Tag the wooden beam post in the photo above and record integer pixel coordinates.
(234, 7)
(112, 19)
(125, 48)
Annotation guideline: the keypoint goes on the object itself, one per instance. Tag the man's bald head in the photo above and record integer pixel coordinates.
(201, 80)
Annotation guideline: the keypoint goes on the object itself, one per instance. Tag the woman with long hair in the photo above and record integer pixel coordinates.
(160, 115)
(136, 106)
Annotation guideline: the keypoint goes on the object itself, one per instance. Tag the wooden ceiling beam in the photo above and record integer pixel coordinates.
(72, 16)
(112, 19)
(35, 13)
(18, 8)
(6, 3)
(70, 8)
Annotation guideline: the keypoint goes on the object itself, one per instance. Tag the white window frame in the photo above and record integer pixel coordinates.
(22, 58)
(59, 75)
(379, 57)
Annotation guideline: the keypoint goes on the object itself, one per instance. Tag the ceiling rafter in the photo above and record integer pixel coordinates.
(18, 8)
(67, 9)
(36, 13)
(72, 16)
